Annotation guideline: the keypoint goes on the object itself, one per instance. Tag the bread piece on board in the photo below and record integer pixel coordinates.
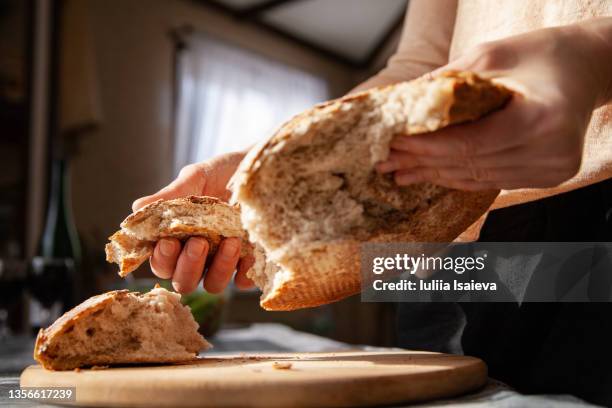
(180, 218)
(121, 327)
(310, 195)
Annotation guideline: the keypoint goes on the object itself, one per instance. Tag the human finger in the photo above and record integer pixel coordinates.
(241, 280)
(190, 181)
(223, 265)
(164, 258)
(190, 265)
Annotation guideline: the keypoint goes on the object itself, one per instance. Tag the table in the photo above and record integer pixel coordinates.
(16, 354)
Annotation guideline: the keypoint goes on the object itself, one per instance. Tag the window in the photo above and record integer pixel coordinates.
(230, 98)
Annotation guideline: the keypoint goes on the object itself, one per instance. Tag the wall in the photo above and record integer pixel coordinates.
(130, 155)
(380, 61)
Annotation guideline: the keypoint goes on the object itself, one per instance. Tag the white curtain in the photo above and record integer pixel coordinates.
(230, 98)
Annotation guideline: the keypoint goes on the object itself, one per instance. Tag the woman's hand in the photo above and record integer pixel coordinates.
(185, 263)
(562, 75)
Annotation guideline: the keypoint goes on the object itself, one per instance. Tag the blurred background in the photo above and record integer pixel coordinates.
(103, 101)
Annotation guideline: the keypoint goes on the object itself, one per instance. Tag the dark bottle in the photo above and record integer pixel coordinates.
(53, 271)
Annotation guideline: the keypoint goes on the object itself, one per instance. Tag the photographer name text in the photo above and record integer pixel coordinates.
(401, 264)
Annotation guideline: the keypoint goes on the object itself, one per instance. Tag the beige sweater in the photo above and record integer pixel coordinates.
(437, 31)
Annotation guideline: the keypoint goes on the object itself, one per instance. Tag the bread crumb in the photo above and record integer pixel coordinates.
(77, 370)
(99, 367)
(281, 366)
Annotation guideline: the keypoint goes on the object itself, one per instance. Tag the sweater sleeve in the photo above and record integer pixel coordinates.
(424, 44)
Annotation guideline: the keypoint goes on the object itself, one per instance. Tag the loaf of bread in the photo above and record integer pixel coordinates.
(121, 327)
(180, 218)
(310, 195)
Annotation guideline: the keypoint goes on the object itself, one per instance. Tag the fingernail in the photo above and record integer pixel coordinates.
(231, 246)
(176, 286)
(195, 248)
(166, 247)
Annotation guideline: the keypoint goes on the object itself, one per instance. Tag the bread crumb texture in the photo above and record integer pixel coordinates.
(180, 218)
(310, 195)
(121, 327)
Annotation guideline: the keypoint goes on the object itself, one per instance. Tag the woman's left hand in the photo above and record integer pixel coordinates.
(561, 75)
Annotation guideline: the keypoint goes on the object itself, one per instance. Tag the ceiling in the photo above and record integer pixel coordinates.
(350, 31)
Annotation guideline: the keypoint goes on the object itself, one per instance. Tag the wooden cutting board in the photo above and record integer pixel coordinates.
(259, 380)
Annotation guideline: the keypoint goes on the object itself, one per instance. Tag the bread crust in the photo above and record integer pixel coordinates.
(330, 271)
(146, 211)
(491, 97)
(129, 250)
(66, 322)
(61, 325)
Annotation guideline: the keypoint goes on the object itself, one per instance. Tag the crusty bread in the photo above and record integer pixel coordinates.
(310, 194)
(180, 218)
(121, 327)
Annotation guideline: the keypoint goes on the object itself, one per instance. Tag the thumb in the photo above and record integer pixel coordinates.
(191, 181)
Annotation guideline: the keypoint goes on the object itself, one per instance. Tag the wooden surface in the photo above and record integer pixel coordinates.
(314, 379)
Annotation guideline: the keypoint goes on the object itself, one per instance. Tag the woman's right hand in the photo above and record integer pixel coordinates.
(184, 263)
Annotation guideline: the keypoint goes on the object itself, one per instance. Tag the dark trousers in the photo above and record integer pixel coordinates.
(534, 347)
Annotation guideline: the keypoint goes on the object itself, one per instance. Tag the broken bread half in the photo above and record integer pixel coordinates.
(179, 218)
(121, 327)
(310, 195)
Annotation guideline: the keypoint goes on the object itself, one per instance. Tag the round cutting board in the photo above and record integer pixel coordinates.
(267, 380)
